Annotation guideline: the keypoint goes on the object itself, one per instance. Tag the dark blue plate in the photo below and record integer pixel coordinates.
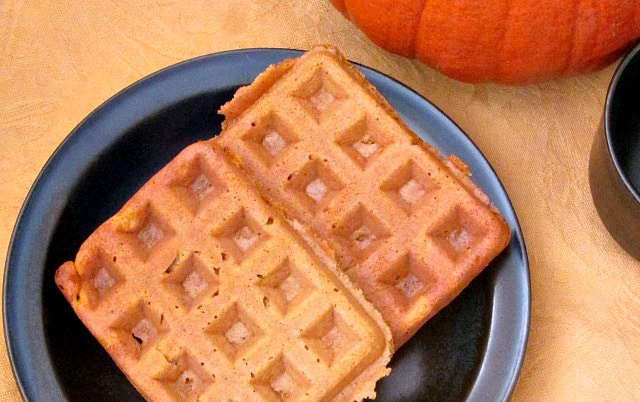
(472, 350)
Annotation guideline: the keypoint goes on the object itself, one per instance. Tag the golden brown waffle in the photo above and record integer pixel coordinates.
(200, 291)
(323, 146)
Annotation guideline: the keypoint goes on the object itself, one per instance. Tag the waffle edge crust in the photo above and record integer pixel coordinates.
(321, 144)
(200, 291)
(284, 259)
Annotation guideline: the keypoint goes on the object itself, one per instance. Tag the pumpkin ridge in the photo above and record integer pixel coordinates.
(574, 27)
(636, 18)
(493, 73)
(386, 24)
(578, 53)
(416, 26)
(412, 27)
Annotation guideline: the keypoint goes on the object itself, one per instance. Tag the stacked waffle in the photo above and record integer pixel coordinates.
(319, 142)
(283, 259)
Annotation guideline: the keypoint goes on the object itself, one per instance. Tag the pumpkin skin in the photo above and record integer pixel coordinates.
(504, 41)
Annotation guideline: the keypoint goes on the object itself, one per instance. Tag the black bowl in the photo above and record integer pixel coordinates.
(614, 166)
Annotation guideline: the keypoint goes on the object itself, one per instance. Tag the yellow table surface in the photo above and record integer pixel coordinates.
(61, 59)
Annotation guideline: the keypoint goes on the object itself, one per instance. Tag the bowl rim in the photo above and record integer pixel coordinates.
(632, 57)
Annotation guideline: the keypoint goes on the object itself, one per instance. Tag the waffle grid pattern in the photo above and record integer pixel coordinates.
(207, 295)
(403, 227)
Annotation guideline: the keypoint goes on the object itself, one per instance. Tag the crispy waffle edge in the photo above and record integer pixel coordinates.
(70, 282)
(457, 170)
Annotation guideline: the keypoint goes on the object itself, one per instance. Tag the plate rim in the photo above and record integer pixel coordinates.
(46, 174)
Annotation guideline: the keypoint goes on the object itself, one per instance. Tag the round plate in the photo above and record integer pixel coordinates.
(472, 350)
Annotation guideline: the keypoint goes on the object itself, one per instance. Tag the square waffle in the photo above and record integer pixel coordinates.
(325, 148)
(200, 291)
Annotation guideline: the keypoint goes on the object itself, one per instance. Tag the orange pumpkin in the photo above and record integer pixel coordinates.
(506, 41)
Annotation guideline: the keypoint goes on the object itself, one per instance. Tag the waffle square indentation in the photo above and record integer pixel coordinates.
(233, 332)
(184, 378)
(408, 186)
(320, 96)
(360, 232)
(139, 328)
(362, 141)
(189, 279)
(281, 381)
(285, 287)
(144, 229)
(195, 183)
(269, 137)
(101, 276)
(407, 279)
(314, 185)
(240, 234)
(457, 233)
(330, 337)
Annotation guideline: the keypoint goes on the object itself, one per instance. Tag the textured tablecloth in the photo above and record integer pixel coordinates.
(61, 59)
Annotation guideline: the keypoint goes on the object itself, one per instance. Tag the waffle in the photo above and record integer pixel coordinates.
(324, 147)
(200, 291)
